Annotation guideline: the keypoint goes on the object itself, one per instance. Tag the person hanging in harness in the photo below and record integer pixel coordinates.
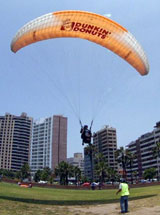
(85, 134)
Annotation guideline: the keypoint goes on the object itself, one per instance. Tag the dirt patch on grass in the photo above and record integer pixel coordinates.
(136, 207)
(114, 209)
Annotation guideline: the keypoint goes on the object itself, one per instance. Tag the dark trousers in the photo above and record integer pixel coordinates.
(124, 204)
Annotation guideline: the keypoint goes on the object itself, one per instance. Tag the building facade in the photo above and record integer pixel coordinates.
(49, 142)
(88, 165)
(77, 160)
(15, 140)
(59, 149)
(105, 142)
(143, 149)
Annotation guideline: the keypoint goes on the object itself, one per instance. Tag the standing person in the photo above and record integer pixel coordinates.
(124, 191)
(93, 185)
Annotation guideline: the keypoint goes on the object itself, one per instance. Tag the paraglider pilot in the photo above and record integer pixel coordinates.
(85, 134)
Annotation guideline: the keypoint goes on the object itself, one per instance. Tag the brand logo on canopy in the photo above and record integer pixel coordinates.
(85, 28)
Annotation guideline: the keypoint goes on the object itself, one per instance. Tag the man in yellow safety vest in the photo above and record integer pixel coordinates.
(124, 192)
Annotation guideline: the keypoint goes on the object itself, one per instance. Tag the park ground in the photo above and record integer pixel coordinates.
(137, 207)
(41, 201)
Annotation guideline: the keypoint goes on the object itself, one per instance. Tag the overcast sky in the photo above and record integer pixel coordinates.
(78, 78)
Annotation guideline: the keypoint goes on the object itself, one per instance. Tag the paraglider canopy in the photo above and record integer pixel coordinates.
(85, 25)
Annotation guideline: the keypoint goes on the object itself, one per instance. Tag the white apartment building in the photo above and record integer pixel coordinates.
(49, 143)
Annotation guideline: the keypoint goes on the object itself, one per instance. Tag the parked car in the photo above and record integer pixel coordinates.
(143, 181)
(70, 183)
(154, 180)
(26, 180)
(109, 182)
(86, 184)
(43, 182)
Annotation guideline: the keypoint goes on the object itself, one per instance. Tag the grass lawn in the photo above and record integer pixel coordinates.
(15, 200)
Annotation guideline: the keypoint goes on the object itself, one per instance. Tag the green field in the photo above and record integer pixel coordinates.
(15, 200)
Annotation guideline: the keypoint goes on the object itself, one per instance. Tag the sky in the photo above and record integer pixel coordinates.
(80, 79)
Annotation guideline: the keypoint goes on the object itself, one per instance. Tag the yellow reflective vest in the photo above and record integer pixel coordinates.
(125, 189)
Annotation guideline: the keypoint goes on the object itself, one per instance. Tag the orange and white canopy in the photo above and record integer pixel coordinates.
(85, 25)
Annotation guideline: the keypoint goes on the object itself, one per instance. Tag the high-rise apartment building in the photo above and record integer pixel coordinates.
(49, 142)
(143, 149)
(59, 149)
(105, 142)
(15, 139)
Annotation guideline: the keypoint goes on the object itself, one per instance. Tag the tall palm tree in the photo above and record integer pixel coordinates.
(135, 175)
(112, 174)
(130, 158)
(37, 175)
(77, 173)
(121, 157)
(101, 167)
(25, 171)
(156, 154)
(45, 174)
(64, 170)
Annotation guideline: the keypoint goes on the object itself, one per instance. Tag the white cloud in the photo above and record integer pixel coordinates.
(107, 15)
